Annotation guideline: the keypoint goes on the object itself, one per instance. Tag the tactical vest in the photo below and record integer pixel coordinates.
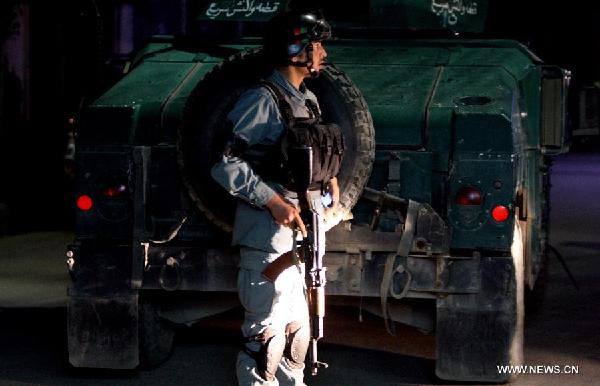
(275, 163)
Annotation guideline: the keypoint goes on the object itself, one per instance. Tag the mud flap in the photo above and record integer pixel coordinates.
(475, 332)
(103, 331)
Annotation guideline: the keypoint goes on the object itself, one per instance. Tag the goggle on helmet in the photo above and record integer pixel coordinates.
(308, 29)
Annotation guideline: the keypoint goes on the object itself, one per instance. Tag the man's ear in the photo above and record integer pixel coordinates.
(300, 57)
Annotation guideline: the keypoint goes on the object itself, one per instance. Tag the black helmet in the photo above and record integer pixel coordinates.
(289, 33)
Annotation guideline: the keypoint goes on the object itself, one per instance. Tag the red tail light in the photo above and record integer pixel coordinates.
(500, 213)
(469, 195)
(114, 191)
(84, 202)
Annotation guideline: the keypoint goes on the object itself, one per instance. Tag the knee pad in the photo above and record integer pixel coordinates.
(298, 339)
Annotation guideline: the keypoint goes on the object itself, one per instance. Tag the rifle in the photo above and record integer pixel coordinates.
(314, 270)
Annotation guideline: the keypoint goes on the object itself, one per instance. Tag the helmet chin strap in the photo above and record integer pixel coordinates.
(307, 63)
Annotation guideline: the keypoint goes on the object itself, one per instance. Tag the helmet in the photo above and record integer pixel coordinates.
(289, 33)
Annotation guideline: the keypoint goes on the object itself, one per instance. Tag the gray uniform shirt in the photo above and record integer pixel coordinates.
(256, 120)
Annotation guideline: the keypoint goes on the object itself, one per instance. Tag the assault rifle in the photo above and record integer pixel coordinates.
(301, 169)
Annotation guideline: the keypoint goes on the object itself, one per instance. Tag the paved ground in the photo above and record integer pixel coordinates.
(33, 271)
(564, 332)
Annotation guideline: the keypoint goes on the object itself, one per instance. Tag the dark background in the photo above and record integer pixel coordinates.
(58, 56)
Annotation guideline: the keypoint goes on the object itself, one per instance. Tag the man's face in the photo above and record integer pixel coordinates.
(318, 57)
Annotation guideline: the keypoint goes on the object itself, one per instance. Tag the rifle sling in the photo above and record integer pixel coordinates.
(280, 264)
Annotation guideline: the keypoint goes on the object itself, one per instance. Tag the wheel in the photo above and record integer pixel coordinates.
(204, 132)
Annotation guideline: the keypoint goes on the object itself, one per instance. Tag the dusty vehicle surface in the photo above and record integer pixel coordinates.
(444, 204)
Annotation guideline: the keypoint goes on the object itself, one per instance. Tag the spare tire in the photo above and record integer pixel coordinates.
(204, 133)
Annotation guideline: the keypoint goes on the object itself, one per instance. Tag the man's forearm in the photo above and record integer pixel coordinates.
(237, 177)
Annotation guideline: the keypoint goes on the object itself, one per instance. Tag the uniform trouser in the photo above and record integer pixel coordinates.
(273, 307)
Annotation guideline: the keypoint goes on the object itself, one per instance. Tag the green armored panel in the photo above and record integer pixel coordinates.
(172, 112)
(473, 225)
(396, 81)
(403, 173)
(511, 56)
(175, 56)
(156, 87)
(149, 84)
(415, 175)
(415, 89)
(397, 99)
(145, 90)
(385, 52)
(488, 89)
(482, 132)
(107, 125)
(478, 102)
(530, 107)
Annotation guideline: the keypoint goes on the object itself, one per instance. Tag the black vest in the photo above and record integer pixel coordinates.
(282, 162)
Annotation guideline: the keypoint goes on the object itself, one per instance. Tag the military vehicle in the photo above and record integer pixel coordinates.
(444, 208)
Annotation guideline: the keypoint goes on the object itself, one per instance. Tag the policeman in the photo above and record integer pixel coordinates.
(276, 323)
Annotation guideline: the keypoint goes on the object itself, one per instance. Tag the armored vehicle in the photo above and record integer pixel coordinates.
(444, 207)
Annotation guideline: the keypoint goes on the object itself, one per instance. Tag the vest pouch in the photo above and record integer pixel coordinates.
(326, 142)
(299, 164)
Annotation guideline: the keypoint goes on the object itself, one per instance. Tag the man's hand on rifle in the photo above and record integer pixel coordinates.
(285, 213)
(334, 190)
